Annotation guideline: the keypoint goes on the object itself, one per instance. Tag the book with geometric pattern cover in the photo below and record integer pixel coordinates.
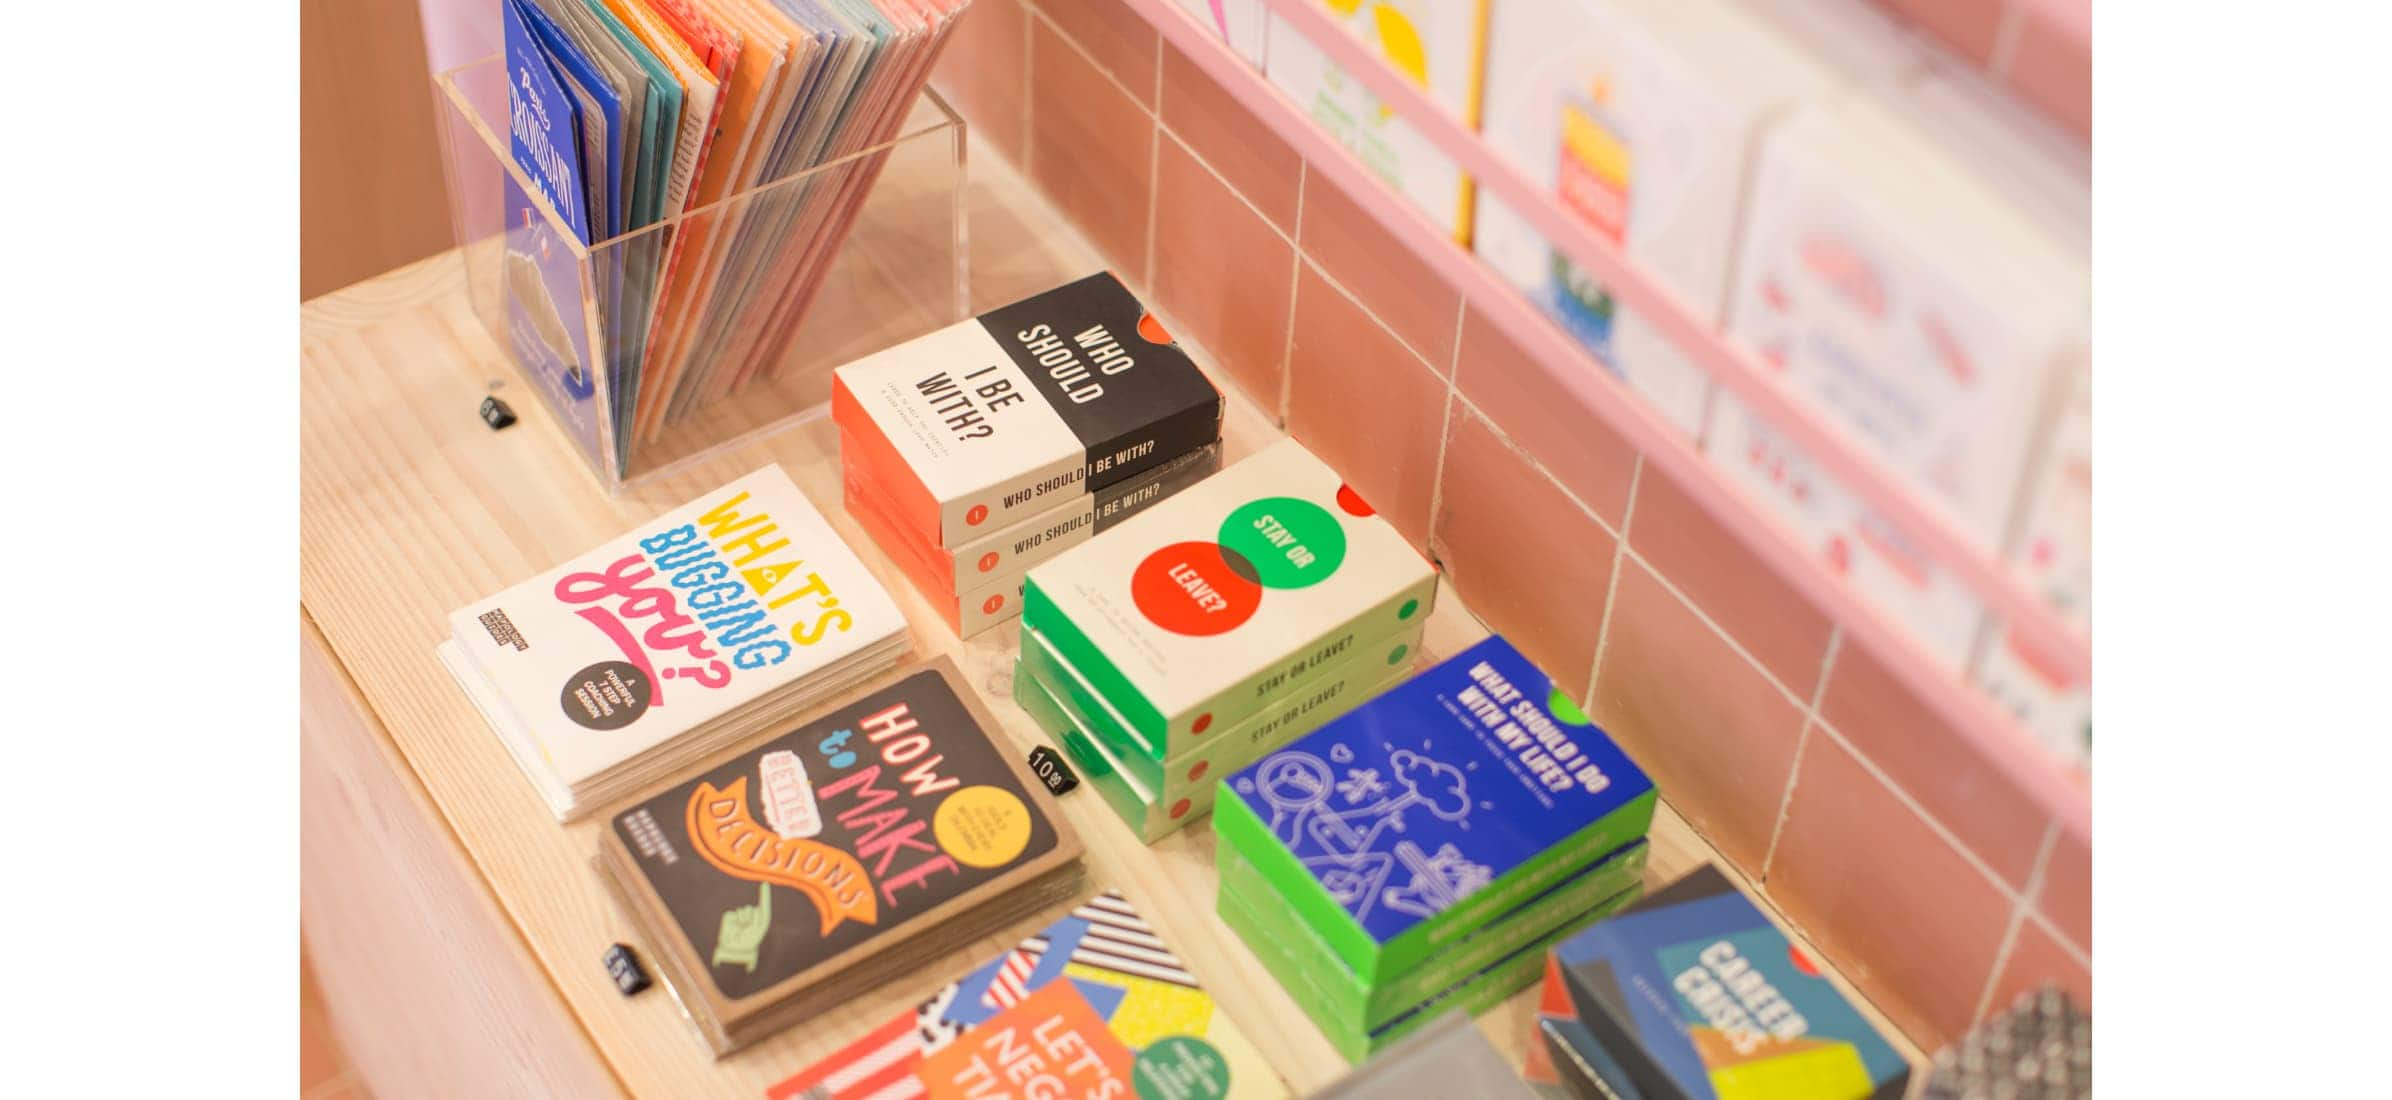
(1700, 996)
(1096, 1005)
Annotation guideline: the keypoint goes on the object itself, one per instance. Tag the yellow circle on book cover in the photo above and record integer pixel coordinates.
(982, 826)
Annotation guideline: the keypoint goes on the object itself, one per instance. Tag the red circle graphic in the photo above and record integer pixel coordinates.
(1193, 588)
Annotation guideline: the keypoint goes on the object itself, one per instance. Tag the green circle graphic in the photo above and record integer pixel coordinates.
(1291, 543)
(1180, 1067)
(1567, 711)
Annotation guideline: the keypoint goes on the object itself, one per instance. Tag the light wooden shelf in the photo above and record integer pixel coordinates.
(410, 507)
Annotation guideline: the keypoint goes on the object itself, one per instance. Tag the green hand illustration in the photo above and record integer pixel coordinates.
(742, 931)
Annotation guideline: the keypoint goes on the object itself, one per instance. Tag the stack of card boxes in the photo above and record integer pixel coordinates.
(978, 450)
(1215, 627)
(1422, 852)
(1695, 992)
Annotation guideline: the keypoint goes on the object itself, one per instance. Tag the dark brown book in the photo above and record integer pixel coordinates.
(892, 825)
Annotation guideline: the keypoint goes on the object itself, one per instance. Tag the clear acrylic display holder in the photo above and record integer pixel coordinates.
(826, 265)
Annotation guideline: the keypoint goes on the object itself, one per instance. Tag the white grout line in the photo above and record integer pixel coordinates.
(1530, 460)
(1029, 73)
(1707, 620)
(1102, 68)
(2018, 916)
(1437, 483)
(1154, 190)
(1934, 824)
(1802, 744)
(1029, 95)
(2067, 946)
(1445, 438)
(1295, 279)
(1611, 588)
(1154, 160)
(1359, 304)
(2005, 39)
(1232, 188)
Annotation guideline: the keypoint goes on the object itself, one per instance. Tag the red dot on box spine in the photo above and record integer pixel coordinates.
(1202, 723)
(1179, 809)
(991, 604)
(975, 517)
(988, 561)
(1352, 502)
(1197, 772)
(1152, 330)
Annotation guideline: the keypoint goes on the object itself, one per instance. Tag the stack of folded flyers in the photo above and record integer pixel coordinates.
(981, 449)
(1695, 993)
(1420, 853)
(1215, 627)
(692, 632)
(1095, 1005)
(797, 873)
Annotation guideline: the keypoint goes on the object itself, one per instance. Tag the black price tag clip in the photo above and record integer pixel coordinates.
(1052, 770)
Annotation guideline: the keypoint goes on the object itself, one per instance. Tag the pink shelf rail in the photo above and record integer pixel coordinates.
(2051, 779)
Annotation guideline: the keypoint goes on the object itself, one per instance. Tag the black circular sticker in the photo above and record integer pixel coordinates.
(608, 695)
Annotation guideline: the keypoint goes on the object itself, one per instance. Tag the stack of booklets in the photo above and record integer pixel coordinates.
(700, 628)
(1695, 994)
(1215, 627)
(1420, 853)
(981, 449)
(795, 874)
(1096, 1005)
(631, 114)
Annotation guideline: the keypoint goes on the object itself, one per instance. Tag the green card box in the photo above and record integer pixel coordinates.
(1195, 772)
(1356, 1042)
(1212, 605)
(1139, 804)
(1568, 903)
(1098, 769)
(1433, 808)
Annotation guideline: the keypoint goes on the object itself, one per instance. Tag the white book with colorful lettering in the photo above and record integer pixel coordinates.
(697, 628)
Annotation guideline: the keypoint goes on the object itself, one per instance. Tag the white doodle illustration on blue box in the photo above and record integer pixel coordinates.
(1437, 788)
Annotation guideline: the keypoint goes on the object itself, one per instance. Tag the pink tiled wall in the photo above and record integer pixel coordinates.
(2042, 49)
(1936, 885)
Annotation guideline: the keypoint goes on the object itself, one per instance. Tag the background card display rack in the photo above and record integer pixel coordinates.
(2058, 784)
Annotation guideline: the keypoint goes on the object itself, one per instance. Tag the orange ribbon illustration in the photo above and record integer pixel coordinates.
(731, 840)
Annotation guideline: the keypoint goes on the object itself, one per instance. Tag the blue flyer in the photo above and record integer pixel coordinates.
(547, 315)
(600, 110)
(543, 124)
